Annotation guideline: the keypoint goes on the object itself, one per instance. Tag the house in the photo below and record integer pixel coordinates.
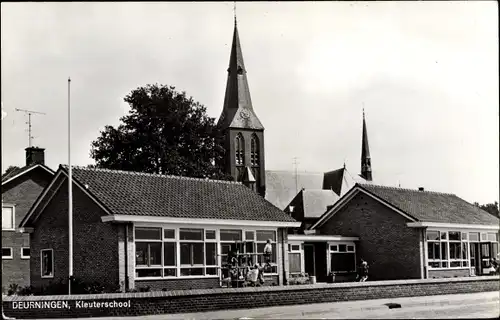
(138, 230)
(20, 189)
(401, 233)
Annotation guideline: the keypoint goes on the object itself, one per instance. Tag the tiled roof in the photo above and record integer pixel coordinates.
(281, 187)
(428, 206)
(317, 201)
(15, 172)
(132, 193)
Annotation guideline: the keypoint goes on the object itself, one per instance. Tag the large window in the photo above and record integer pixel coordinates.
(168, 252)
(447, 249)
(239, 150)
(8, 217)
(47, 263)
(342, 258)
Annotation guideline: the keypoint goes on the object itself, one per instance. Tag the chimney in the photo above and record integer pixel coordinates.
(421, 189)
(35, 155)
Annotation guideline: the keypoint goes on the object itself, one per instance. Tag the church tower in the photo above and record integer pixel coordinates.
(366, 163)
(243, 132)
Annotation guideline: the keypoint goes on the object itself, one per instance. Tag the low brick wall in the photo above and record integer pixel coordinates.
(135, 304)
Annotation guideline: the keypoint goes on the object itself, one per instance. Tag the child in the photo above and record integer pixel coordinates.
(268, 250)
(363, 271)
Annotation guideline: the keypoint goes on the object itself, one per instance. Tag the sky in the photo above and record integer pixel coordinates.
(426, 74)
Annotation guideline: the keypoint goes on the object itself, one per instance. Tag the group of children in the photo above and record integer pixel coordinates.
(252, 274)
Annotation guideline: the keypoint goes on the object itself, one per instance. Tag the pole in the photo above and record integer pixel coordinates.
(29, 129)
(70, 194)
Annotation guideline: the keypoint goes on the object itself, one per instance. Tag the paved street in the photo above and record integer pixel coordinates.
(475, 305)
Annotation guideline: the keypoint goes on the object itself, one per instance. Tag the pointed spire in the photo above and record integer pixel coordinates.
(238, 109)
(366, 167)
(234, 9)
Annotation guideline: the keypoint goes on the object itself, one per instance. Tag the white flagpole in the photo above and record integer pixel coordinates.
(70, 194)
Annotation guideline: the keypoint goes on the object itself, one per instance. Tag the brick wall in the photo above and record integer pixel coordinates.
(449, 273)
(391, 249)
(95, 244)
(21, 192)
(224, 299)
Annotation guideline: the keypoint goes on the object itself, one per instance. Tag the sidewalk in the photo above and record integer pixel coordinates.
(445, 306)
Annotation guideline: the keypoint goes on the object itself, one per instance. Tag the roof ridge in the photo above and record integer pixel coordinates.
(404, 189)
(150, 174)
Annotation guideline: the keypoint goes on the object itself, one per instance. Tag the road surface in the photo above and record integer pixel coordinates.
(473, 305)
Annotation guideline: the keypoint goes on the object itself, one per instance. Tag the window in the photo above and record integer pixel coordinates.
(25, 253)
(239, 149)
(294, 259)
(447, 249)
(192, 249)
(262, 237)
(342, 258)
(8, 217)
(6, 253)
(47, 263)
(254, 148)
(148, 252)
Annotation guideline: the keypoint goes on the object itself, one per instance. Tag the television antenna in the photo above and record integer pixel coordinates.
(29, 113)
(295, 164)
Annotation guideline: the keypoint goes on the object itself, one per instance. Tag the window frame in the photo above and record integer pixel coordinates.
(13, 207)
(41, 264)
(299, 251)
(331, 251)
(9, 257)
(24, 257)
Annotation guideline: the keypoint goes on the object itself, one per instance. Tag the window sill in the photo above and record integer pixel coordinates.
(47, 277)
(7, 258)
(25, 258)
(9, 230)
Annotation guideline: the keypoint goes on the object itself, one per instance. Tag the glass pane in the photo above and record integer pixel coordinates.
(210, 234)
(434, 264)
(191, 271)
(494, 249)
(444, 264)
(155, 253)
(6, 252)
(464, 235)
(454, 264)
(263, 235)
(465, 263)
(148, 233)
(492, 237)
(249, 247)
(342, 262)
(211, 252)
(455, 251)
(350, 248)
(211, 271)
(444, 254)
(443, 235)
(7, 221)
(474, 236)
(230, 235)
(169, 253)
(294, 262)
(295, 247)
(432, 235)
(437, 251)
(185, 253)
(170, 272)
(141, 253)
(26, 252)
(430, 250)
(249, 235)
(334, 248)
(484, 236)
(342, 248)
(169, 234)
(464, 250)
(191, 234)
(141, 273)
(260, 247)
(198, 253)
(225, 248)
(454, 235)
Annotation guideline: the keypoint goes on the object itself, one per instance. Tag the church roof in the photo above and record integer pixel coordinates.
(238, 109)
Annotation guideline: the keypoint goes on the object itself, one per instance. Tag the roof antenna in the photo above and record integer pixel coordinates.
(29, 113)
(295, 163)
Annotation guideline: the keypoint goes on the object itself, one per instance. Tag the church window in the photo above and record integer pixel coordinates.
(254, 154)
(240, 150)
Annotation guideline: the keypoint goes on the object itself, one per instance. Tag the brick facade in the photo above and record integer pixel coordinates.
(392, 250)
(172, 302)
(95, 244)
(21, 192)
(452, 273)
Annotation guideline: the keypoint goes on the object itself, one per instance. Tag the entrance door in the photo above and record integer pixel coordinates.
(475, 260)
(309, 263)
(485, 255)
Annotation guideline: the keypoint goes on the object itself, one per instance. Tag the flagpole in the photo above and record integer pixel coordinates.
(70, 194)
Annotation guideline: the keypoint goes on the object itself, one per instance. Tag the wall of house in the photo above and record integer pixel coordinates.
(391, 249)
(95, 244)
(177, 302)
(451, 273)
(21, 192)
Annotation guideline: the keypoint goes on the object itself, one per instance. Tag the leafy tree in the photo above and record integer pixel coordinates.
(165, 132)
(10, 169)
(491, 208)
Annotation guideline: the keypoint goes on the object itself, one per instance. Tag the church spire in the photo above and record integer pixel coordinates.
(238, 109)
(366, 165)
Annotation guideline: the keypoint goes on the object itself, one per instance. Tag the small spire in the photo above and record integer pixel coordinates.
(234, 9)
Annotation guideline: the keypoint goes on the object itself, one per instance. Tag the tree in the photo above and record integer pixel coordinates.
(11, 168)
(165, 132)
(491, 208)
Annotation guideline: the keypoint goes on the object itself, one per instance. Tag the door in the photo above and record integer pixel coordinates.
(475, 259)
(485, 256)
(309, 262)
